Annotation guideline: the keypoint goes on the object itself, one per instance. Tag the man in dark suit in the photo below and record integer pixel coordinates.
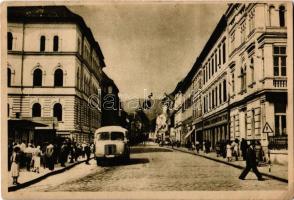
(251, 163)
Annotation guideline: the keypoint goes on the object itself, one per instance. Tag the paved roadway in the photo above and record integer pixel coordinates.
(154, 168)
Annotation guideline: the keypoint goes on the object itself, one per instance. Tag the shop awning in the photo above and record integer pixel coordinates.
(23, 123)
(189, 133)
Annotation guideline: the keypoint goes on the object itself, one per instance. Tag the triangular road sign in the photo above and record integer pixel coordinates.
(267, 128)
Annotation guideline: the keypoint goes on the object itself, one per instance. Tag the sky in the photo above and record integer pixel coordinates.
(148, 46)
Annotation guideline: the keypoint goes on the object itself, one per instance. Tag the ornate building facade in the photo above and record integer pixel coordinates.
(54, 66)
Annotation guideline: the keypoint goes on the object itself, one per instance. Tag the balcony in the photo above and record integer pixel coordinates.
(278, 82)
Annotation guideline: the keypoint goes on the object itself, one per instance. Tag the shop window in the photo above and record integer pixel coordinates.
(57, 111)
(42, 43)
(37, 77)
(36, 110)
(58, 78)
(9, 40)
(55, 43)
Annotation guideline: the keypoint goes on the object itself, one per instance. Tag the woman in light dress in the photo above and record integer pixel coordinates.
(15, 160)
(229, 151)
(37, 159)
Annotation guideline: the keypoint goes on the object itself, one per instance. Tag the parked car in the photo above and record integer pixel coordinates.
(111, 142)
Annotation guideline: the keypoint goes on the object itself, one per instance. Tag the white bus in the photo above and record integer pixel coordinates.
(111, 142)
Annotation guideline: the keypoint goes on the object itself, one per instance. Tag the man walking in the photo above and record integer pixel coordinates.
(251, 163)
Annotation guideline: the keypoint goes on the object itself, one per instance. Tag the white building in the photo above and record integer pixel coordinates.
(54, 65)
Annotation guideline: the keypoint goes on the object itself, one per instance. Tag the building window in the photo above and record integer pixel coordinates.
(216, 97)
(37, 77)
(279, 61)
(243, 78)
(8, 110)
(224, 52)
(212, 66)
(220, 93)
(215, 59)
(225, 90)
(280, 118)
(253, 123)
(209, 101)
(233, 83)
(36, 110)
(57, 111)
(271, 12)
(9, 40)
(8, 77)
(42, 43)
(282, 16)
(219, 56)
(58, 78)
(209, 73)
(204, 74)
(55, 43)
(252, 69)
(212, 96)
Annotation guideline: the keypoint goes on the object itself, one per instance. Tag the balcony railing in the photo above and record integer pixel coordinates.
(278, 82)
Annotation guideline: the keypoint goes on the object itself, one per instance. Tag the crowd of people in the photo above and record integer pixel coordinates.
(33, 157)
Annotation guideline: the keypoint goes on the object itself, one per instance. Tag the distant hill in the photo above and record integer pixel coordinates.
(131, 105)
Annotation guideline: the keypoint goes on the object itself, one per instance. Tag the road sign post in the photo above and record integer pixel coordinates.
(268, 130)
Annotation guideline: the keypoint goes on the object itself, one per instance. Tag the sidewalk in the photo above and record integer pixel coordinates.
(279, 172)
(27, 178)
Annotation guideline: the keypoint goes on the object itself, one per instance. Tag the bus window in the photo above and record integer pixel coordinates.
(117, 136)
(104, 136)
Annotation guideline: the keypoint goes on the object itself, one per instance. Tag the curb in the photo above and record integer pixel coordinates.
(233, 165)
(36, 180)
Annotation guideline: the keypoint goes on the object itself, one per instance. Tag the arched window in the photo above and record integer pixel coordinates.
(8, 77)
(58, 77)
(37, 79)
(9, 40)
(271, 13)
(36, 110)
(55, 43)
(282, 16)
(42, 43)
(57, 111)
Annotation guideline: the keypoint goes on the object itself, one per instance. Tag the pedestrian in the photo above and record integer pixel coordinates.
(236, 149)
(207, 146)
(15, 161)
(37, 159)
(251, 163)
(197, 146)
(243, 148)
(50, 156)
(88, 153)
(63, 154)
(229, 151)
(28, 156)
(203, 146)
(43, 155)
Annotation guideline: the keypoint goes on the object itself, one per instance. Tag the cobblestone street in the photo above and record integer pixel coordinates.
(154, 168)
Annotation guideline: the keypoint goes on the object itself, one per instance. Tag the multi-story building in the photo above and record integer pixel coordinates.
(257, 38)
(54, 66)
(240, 77)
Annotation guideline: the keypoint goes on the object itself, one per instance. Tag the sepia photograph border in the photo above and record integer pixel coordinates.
(260, 194)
